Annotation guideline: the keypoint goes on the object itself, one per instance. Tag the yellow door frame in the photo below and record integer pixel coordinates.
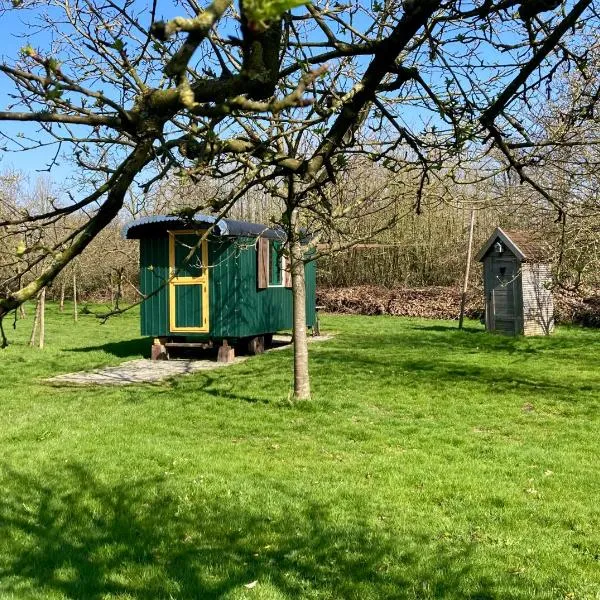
(175, 280)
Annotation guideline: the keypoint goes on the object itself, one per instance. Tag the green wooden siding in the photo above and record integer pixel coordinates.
(223, 257)
(243, 310)
(188, 305)
(237, 307)
(154, 272)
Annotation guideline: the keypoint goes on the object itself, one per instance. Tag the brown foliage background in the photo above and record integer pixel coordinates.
(440, 302)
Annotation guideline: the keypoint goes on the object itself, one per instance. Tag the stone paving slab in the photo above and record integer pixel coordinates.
(144, 370)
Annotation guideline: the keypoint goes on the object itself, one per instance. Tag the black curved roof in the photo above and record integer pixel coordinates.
(151, 226)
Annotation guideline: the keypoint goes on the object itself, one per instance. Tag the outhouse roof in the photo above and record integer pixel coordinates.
(149, 226)
(524, 245)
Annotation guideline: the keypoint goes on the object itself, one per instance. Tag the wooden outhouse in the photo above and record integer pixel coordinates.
(517, 279)
(231, 289)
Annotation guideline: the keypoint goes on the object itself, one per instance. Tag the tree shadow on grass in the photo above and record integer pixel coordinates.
(452, 326)
(123, 349)
(412, 358)
(141, 346)
(444, 344)
(76, 536)
(483, 340)
(447, 336)
(493, 378)
(251, 382)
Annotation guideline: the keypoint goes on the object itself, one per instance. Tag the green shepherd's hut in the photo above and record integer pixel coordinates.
(231, 289)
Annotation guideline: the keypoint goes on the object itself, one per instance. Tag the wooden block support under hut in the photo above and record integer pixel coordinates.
(517, 280)
(232, 289)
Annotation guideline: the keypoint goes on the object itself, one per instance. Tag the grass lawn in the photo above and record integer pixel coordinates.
(431, 463)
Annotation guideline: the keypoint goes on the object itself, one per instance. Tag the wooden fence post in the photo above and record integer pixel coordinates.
(36, 318)
(75, 313)
(463, 298)
(42, 309)
(63, 283)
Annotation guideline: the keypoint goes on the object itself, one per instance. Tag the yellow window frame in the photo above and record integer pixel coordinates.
(175, 280)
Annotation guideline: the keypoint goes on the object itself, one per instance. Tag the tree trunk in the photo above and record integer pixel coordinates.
(63, 284)
(36, 318)
(118, 289)
(301, 374)
(75, 313)
(463, 298)
(42, 316)
(112, 289)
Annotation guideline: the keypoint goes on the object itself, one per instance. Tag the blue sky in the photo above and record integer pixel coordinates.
(10, 43)
(17, 34)
(20, 34)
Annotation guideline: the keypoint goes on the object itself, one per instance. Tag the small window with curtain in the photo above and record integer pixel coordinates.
(275, 263)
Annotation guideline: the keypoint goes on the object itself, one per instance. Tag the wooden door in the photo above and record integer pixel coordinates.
(188, 283)
(503, 289)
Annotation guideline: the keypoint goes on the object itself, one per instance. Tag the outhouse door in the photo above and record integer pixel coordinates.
(188, 283)
(502, 308)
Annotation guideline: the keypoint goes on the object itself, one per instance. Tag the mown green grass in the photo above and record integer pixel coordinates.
(431, 463)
